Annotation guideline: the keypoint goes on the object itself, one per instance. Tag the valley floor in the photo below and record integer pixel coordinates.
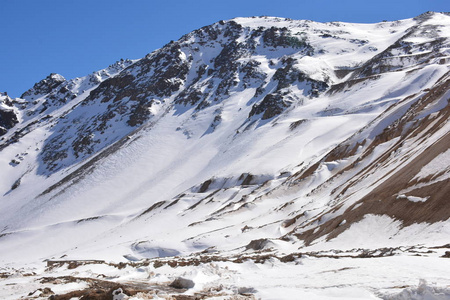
(389, 273)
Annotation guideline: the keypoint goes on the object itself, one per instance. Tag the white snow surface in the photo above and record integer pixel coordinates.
(438, 165)
(148, 197)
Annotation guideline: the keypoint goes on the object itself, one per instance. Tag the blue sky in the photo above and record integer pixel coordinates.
(75, 38)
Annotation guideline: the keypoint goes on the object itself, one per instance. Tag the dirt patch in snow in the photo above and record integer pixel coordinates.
(104, 290)
(383, 199)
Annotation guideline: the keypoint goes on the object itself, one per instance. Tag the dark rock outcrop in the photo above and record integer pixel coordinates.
(8, 119)
(44, 86)
(182, 283)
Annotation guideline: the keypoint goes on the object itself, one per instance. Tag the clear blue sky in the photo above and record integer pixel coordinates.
(76, 37)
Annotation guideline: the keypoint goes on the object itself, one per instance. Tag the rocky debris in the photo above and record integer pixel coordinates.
(152, 208)
(257, 257)
(71, 264)
(259, 244)
(205, 185)
(16, 184)
(113, 288)
(99, 289)
(182, 283)
(446, 254)
(42, 292)
(246, 290)
(109, 290)
(290, 257)
(296, 124)
(246, 178)
(45, 292)
(119, 295)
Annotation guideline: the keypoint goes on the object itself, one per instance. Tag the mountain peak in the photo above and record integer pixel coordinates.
(44, 86)
(429, 15)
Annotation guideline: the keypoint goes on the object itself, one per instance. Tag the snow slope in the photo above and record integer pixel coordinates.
(245, 137)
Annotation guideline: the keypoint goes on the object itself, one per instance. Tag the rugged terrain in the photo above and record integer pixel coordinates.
(254, 158)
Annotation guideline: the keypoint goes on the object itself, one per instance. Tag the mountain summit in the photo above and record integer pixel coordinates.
(247, 141)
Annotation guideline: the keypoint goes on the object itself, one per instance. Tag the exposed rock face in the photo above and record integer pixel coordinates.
(288, 77)
(405, 52)
(179, 71)
(8, 117)
(43, 87)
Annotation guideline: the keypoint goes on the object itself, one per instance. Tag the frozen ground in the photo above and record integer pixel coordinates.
(396, 273)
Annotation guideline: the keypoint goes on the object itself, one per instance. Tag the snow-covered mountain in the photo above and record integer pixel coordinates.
(260, 142)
